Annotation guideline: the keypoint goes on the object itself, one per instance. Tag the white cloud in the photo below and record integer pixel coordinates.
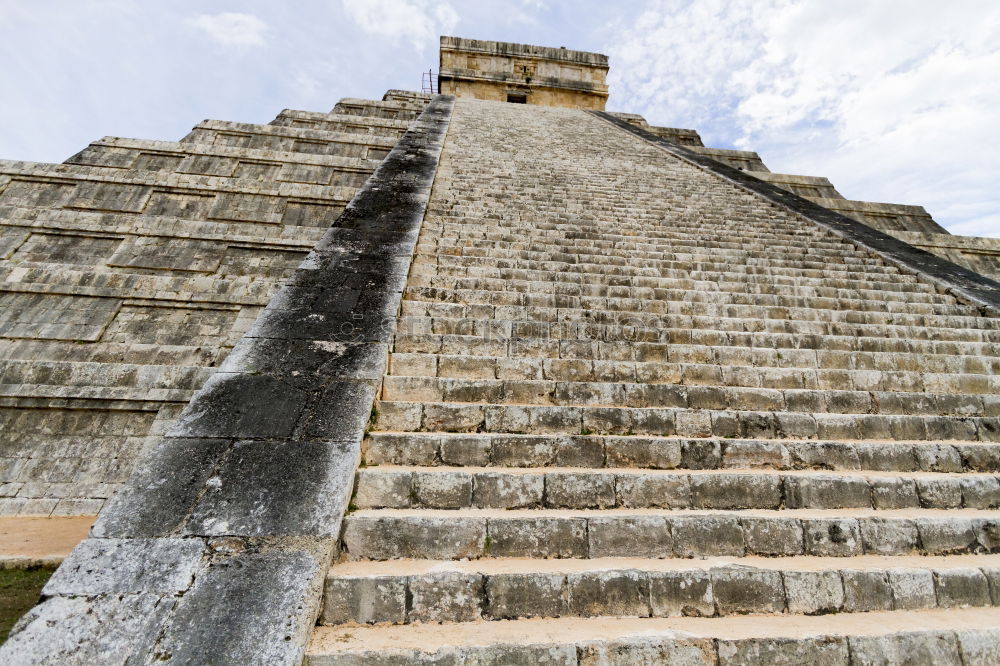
(232, 29)
(893, 101)
(418, 21)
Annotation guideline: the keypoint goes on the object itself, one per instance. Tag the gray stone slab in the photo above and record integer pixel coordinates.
(276, 488)
(354, 326)
(250, 608)
(241, 405)
(163, 489)
(127, 566)
(306, 363)
(109, 630)
(339, 412)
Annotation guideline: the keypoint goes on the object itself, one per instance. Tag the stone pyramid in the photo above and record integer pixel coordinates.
(495, 377)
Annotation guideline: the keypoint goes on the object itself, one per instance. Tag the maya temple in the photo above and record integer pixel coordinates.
(494, 377)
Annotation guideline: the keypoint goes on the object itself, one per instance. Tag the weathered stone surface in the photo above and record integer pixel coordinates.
(913, 648)
(247, 607)
(363, 600)
(545, 537)
(639, 536)
(674, 593)
(825, 651)
(524, 595)
(77, 630)
(608, 593)
(279, 428)
(127, 566)
(814, 592)
(277, 488)
(697, 536)
(744, 590)
(164, 488)
(440, 538)
(866, 591)
(241, 405)
(445, 597)
(648, 651)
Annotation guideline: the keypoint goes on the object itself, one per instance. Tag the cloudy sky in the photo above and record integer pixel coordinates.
(893, 100)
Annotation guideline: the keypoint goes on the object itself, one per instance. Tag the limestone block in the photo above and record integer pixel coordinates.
(700, 536)
(866, 590)
(537, 537)
(814, 592)
(635, 536)
(364, 600)
(512, 595)
(674, 593)
(740, 590)
(445, 597)
(617, 593)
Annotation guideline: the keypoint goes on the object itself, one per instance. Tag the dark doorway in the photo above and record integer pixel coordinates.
(517, 98)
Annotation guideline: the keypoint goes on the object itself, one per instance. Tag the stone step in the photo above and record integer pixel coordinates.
(557, 226)
(722, 348)
(643, 220)
(226, 162)
(454, 366)
(591, 284)
(493, 225)
(682, 244)
(387, 487)
(657, 300)
(740, 307)
(138, 192)
(438, 534)
(677, 271)
(691, 261)
(663, 421)
(638, 229)
(636, 212)
(551, 324)
(339, 122)
(665, 394)
(378, 109)
(426, 266)
(413, 591)
(291, 139)
(761, 254)
(592, 451)
(943, 637)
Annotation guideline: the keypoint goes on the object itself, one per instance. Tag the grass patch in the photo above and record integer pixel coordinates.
(19, 591)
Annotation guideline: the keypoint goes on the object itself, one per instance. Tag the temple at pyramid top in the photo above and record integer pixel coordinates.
(521, 73)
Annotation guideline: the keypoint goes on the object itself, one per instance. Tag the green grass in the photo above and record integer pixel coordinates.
(19, 591)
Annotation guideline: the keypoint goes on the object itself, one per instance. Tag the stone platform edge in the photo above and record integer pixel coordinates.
(216, 549)
(948, 277)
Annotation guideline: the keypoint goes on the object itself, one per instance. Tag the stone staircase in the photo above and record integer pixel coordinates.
(637, 415)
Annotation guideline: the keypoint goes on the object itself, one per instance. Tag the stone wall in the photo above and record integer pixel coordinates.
(980, 254)
(541, 75)
(129, 272)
